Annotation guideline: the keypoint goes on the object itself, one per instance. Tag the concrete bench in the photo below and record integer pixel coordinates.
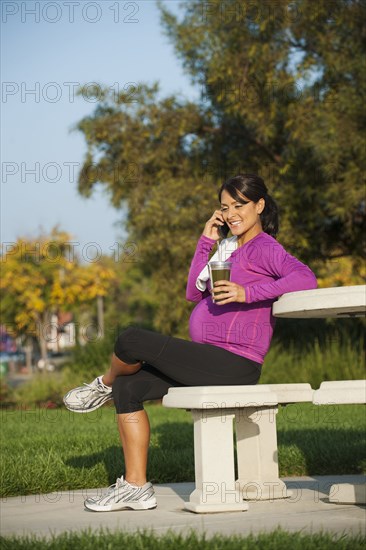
(254, 410)
(343, 392)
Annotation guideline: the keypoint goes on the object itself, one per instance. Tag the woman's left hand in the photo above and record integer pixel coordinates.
(231, 292)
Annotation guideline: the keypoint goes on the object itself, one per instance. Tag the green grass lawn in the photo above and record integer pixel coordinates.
(277, 540)
(44, 450)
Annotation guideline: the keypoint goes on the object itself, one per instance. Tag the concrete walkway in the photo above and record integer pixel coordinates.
(308, 510)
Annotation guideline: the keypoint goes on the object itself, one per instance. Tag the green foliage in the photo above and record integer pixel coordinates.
(145, 165)
(281, 91)
(286, 88)
(7, 397)
(93, 357)
(315, 350)
(306, 332)
(105, 540)
(131, 299)
(48, 389)
(334, 362)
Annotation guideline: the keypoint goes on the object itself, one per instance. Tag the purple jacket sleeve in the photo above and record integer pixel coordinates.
(199, 261)
(290, 274)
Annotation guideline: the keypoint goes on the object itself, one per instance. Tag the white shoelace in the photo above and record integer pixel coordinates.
(100, 387)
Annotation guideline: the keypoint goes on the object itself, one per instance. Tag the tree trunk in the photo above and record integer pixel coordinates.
(28, 348)
(42, 338)
(100, 316)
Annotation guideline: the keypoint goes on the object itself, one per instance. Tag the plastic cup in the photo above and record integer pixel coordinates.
(219, 271)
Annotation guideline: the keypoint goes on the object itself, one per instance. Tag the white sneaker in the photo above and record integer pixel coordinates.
(123, 495)
(88, 397)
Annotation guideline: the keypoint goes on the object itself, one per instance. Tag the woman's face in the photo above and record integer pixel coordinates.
(242, 219)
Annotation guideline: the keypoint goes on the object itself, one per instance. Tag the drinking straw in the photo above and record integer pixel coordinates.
(219, 250)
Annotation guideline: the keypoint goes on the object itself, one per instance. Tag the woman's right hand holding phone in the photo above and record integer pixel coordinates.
(211, 229)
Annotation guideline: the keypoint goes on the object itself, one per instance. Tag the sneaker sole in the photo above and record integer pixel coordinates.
(90, 409)
(143, 505)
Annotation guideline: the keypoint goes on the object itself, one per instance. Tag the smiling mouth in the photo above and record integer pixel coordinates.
(234, 224)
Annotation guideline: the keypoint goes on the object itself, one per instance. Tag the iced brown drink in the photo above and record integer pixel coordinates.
(219, 271)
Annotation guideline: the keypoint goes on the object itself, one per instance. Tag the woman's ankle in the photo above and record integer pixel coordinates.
(138, 481)
(107, 380)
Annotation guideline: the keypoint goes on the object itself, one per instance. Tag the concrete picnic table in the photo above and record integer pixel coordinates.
(339, 301)
(334, 302)
(253, 410)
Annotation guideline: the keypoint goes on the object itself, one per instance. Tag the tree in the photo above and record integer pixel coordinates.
(148, 166)
(40, 277)
(285, 82)
(281, 89)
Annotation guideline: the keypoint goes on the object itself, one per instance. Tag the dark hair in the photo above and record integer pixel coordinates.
(254, 188)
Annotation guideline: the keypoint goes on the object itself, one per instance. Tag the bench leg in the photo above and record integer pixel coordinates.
(348, 493)
(216, 489)
(257, 454)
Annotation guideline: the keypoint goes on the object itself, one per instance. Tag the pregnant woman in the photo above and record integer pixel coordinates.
(229, 337)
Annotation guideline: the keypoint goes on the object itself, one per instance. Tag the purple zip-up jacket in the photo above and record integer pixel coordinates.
(266, 271)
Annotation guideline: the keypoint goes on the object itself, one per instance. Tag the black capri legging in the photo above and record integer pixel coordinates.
(168, 361)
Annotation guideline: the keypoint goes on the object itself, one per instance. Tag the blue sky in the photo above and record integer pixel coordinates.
(46, 48)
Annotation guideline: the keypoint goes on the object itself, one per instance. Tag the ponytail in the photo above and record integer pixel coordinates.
(269, 216)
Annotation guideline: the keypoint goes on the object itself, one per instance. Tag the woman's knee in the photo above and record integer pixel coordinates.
(126, 342)
(122, 368)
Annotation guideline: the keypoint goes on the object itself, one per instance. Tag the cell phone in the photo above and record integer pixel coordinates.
(223, 230)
